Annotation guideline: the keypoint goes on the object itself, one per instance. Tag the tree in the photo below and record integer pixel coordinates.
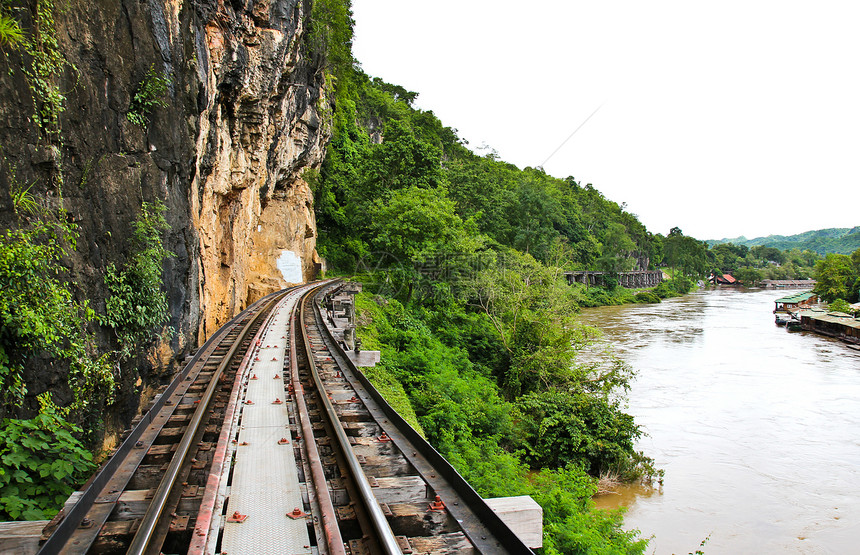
(532, 309)
(836, 277)
(421, 235)
(768, 254)
(689, 255)
(414, 223)
(562, 428)
(615, 250)
(533, 216)
(840, 305)
(402, 160)
(750, 277)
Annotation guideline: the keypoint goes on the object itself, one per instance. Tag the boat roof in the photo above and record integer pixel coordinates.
(796, 298)
(833, 317)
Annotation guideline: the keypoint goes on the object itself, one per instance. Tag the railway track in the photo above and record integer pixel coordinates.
(270, 440)
(145, 497)
(401, 495)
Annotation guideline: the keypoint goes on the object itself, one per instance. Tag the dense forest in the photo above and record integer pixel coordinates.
(839, 240)
(462, 257)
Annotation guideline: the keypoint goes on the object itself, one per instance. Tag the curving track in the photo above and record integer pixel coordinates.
(271, 441)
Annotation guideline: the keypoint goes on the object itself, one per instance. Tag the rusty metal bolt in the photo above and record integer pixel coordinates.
(437, 504)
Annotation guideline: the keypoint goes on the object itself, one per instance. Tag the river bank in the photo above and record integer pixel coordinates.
(755, 427)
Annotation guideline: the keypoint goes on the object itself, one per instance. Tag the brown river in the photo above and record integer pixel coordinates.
(757, 428)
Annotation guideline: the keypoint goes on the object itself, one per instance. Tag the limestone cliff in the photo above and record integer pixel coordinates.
(260, 128)
(245, 117)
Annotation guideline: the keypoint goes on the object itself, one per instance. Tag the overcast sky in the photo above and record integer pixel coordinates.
(722, 118)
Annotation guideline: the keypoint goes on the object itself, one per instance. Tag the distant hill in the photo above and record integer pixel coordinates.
(840, 240)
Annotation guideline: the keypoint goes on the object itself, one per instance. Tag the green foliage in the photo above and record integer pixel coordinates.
(840, 305)
(414, 223)
(137, 306)
(647, 297)
(750, 277)
(39, 316)
(330, 37)
(676, 287)
(478, 318)
(563, 427)
(150, 95)
(11, 34)
(820, 241)
(686, 255)
(381, 375)
(46, 68)
(532, 309)
(41, 461)
(603, 296)
(402, 160)
(381, 145)
(572, 525)
(43, 66)
(838, 277)
(445, 358)
(24, 203)
(615, 250)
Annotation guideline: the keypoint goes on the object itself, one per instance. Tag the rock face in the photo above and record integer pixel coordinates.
(245, 117)
(260, 128)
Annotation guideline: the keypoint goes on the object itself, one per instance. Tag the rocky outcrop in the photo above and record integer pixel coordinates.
(245, 117)
(260, 128)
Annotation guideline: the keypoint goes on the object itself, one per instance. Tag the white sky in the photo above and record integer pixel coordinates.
(722, 118)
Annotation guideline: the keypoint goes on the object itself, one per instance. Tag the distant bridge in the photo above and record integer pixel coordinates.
(631, 280)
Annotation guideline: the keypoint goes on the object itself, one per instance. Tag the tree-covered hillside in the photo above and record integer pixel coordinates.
(839, 240)
(463, 257)
(383, 146)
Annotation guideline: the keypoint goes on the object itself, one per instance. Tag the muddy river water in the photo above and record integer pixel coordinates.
(757, 428)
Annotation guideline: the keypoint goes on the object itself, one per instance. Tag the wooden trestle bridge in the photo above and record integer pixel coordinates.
(631, 280)
(271, 441)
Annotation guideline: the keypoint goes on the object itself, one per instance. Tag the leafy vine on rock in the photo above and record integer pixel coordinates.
(137, 306)
(39, 315)
(149, 95)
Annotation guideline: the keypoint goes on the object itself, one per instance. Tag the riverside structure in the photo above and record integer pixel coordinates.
(630, 280)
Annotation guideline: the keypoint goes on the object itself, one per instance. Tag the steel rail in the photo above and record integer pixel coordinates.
(56, 543)
(385, 536)
(151, 518)
(328, 515)
(508, 541)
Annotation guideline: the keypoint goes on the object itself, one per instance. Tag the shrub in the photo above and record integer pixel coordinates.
(840, 305)
(41, 461)
(680, 285)
(647, 297)
(149, 95)
(38, 314)
(137, 305)
(600, 296)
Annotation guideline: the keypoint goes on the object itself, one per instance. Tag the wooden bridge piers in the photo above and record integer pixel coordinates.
(630, 280)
